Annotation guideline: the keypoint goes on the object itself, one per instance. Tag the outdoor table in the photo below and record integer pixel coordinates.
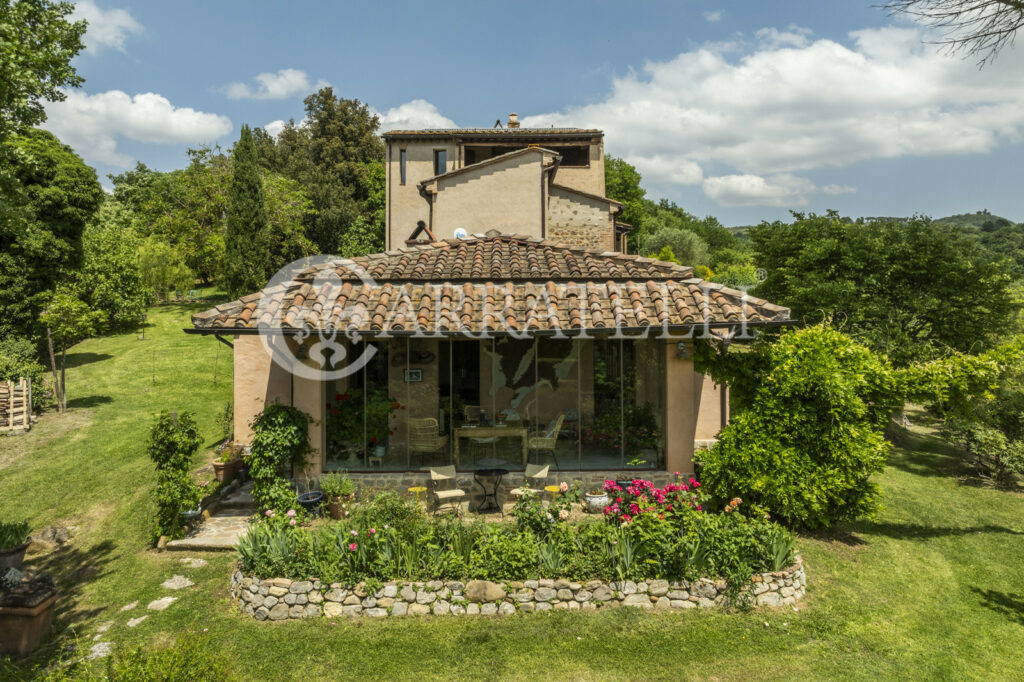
(519, 432)
(490, 500)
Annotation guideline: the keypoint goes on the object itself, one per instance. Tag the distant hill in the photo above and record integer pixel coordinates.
(979, 220)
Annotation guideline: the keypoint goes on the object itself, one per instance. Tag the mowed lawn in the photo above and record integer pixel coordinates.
(932, 589)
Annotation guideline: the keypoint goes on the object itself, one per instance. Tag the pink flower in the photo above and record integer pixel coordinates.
(292, 522)
(564, 514)
(563, 486)
(291, 513)
(352, 547)
(676, 473)
(372, 531)
(269, 512)
(355, 533)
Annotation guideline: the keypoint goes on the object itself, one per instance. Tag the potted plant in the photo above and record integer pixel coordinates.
(13, 543)
(26, 610)
(311, 500)
(596, 500)
(225, 466)
(339, 489)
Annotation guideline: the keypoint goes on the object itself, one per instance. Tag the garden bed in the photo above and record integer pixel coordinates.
(283, 599)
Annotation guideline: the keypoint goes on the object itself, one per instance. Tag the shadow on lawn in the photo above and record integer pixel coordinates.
(73, 567)
(860, 533)
(90, 401)
(80, 359)
(1009, 605)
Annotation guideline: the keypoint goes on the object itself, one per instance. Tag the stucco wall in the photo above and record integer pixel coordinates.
(709, 416)
(683, 386)
(405, 205)
(578, 220)
(590, 179)
(258, 383)
(504, 196)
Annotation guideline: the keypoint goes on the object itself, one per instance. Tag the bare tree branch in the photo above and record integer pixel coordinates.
(971, 27)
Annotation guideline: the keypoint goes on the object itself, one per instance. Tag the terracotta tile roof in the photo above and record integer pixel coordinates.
(504, 283)
(496, 132)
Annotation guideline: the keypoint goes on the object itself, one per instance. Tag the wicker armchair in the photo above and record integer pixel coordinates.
(546, 440)
(425, 437)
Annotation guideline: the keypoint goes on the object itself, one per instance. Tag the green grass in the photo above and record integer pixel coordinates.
(932, 589)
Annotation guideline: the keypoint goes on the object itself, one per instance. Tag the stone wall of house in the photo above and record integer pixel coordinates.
(579, 220)
(283, 599)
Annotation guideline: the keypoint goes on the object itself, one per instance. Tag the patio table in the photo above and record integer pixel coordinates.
(490, 432)
(490, 500)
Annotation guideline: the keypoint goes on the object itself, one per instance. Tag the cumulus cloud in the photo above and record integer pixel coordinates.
(713, 17)
(284, 83)
(413, 115)
(274, 128)
(92, 124)
(742, 120)
(107, 27)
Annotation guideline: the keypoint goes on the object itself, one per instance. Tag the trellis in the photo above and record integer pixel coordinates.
(16, 405)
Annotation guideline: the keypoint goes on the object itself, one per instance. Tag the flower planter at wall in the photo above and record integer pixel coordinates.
(12, 558)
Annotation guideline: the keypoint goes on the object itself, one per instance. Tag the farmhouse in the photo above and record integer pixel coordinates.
(503, 325)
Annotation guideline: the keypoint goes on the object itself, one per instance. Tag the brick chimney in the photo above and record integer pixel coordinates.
(513, 120)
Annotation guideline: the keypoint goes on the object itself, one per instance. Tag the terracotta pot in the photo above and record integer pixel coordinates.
(224, 471)
(12, 558)
(22, 629)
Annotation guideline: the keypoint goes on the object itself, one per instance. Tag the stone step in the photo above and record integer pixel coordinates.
(219, 533)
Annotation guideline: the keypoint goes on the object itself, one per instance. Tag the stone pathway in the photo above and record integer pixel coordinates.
(102, 649)
(177, 582)
(161, 604)
(218, 533)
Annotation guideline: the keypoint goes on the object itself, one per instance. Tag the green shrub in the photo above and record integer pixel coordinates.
(280, 440)
(13, 534)
(337, 485)
(18, 359)
(173, 440)
(808, 437)
(504, 554)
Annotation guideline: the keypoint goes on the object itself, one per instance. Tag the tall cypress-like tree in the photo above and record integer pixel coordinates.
(245, 241)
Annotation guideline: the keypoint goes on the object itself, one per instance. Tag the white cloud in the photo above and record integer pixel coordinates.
(413, 115)
(284, 83)
(713, 17)
(835, 190)
(92, 124)
(740, 123)
(274, 128)
(107, 27)
(780, 190)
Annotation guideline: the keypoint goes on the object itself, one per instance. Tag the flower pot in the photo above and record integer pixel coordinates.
(22, 628)
(13, 556)
(311, 501)
(596, 502)
(225, 471)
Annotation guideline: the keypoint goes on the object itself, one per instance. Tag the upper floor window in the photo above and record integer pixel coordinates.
(440, 161)
(574, 157)
(401, 164)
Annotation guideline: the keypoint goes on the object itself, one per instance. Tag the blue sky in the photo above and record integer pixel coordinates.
(742, 110)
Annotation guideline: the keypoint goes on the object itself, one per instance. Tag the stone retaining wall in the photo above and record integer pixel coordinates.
(283, 599)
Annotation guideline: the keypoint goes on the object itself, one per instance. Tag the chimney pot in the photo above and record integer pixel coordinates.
(513, 120)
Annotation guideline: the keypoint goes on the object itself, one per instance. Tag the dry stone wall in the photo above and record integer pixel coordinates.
(283, 599)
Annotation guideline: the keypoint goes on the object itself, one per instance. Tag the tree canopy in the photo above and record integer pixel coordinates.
(911, 289)
(43, 245)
